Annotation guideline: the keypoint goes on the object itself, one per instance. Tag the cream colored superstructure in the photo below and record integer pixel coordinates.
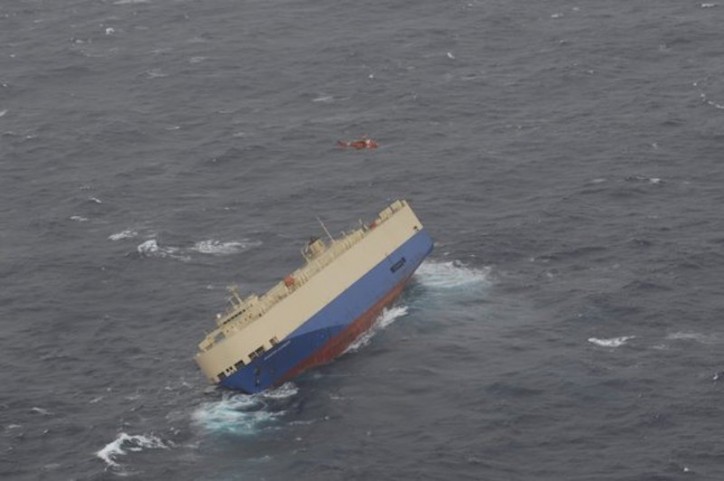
(254, 325)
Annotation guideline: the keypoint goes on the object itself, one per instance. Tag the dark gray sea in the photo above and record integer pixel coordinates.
(566, 157)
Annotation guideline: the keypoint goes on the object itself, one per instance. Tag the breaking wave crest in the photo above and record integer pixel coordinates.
(243, 414)
(387, 317)
(451, 275)
(125, 443)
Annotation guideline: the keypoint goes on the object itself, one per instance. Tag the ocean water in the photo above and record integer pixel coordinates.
(566, 156)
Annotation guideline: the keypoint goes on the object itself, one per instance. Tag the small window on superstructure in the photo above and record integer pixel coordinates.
(258, 352)
(274, 341)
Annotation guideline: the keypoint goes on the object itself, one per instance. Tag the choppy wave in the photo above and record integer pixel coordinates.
(151, 248)
(643, 178)
(387, 317)
(324, 98)
(451, 275)
(692, 336)
(705, 98)
(41, 411)
(243, 414)
(125, 443)
(612, 342)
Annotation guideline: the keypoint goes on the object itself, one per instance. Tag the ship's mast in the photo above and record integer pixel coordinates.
(325, 229)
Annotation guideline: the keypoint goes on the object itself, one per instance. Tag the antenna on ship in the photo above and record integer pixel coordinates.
(325, 229)
(234, 290)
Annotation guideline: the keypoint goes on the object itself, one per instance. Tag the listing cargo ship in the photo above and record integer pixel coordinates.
(317, 311)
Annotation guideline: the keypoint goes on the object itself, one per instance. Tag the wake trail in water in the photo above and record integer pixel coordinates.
(440, 280)
(243, 414)
(448, 285)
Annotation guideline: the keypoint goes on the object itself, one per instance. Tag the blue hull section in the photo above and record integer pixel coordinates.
(332, 321)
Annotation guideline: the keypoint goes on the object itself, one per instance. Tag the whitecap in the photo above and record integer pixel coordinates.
(41, 411)
(387, 317)
(149, 247)
(641, 178)
(613, 342)
(197, 59)
(78, 218)
(155, 73)
(129, 2)
(708, 5)
(324, 98)
(450, 275)
(124, 443)
(3, 112)
(126, 234)
(214, 247)
(95, 200)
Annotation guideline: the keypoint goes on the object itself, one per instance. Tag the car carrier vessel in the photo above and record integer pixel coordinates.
(317, 311)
